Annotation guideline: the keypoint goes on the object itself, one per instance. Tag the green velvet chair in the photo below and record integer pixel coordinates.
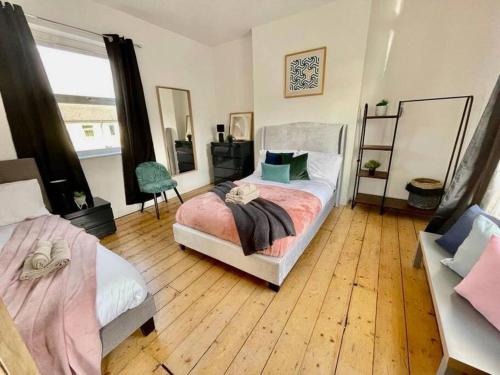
(153, 178)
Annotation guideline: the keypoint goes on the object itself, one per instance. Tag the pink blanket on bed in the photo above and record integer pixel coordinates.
(207, 213)
(55, 315)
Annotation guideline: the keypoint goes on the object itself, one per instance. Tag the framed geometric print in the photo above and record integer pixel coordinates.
(305, 73)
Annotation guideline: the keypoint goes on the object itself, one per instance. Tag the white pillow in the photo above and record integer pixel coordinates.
(262, 159)
(323, 166)
(470, 250)
(20, 200)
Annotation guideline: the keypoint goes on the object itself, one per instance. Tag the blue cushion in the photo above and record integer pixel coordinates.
(276, 158)
(453, 238)
(276, 173)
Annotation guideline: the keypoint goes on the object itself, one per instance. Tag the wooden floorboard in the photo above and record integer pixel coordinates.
(353, 303)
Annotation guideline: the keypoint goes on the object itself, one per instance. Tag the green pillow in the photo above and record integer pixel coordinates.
(276, 173)
(298, 166)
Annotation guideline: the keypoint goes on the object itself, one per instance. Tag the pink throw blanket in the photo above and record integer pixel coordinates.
(55, 315)
(208, 213)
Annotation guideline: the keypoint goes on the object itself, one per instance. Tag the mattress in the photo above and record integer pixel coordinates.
(120, 286)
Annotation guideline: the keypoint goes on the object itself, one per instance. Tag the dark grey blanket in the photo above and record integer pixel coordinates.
(259, 223)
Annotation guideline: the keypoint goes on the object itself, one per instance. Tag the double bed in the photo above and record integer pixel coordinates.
(299, 137)
(123, 303)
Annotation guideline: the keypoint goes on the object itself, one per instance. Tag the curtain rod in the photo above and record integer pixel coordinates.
(72, 27)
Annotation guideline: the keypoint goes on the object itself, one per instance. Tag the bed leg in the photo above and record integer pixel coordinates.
(183, 248)
(273, 287)
(148, 327)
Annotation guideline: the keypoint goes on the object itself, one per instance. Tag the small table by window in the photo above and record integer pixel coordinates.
(97, 220)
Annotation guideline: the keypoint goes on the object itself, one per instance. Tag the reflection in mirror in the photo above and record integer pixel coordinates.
(177, 128)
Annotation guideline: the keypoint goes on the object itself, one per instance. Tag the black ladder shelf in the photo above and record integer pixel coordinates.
(365, 198)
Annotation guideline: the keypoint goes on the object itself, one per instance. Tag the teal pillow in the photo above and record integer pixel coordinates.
(276, 173)
(298, 166)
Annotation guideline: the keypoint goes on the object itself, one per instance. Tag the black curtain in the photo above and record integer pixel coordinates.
(475, 170)
(135, 133)
(36, 125)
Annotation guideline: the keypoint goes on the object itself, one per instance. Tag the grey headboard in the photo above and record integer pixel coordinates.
(310, 136)
(22, 169)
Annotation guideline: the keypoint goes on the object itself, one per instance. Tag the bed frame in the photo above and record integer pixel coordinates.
(293, 136)
(124, 325)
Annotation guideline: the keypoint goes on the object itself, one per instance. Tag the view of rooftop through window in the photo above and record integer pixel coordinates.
(83, 86)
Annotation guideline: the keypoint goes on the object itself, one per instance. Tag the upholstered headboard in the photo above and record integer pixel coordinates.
(22, 169)
(308, 136)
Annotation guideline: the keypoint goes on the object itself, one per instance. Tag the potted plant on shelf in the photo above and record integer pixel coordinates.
(80, 199)
(372, 166)
(381, 108)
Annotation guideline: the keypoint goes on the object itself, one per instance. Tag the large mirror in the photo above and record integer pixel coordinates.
(177, 128)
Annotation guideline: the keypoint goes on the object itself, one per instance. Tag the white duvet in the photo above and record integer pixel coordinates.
(120, 286)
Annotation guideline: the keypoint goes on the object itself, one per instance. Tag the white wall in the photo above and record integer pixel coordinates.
(165, 59)
(233, 79)
(342, 27)
(439, 48)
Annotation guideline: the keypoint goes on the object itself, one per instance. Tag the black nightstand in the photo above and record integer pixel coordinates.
(97, 220)
(232, 161)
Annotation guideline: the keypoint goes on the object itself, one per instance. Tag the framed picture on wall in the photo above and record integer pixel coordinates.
(241, 125)
(305, 73)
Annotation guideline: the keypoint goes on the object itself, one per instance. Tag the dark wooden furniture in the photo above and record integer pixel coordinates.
(185, 155)
(232, 161)
(97, 220)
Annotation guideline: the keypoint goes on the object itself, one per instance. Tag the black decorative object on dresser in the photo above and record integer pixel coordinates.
(97, 220)
(232, 161)
(185, 155)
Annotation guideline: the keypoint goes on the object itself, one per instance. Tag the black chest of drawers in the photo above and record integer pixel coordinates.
(97, 220)
(232, 161)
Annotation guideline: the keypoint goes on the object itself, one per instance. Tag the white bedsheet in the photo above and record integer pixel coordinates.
(120, 286)
(321, 189)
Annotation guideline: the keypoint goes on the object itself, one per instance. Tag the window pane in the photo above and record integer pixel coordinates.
(83, 86)
(74, 73)
(491, 200)
(91, 126)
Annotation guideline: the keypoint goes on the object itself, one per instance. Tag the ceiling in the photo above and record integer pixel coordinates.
(211, 22)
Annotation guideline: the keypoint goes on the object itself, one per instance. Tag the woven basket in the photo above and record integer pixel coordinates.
(425, 193)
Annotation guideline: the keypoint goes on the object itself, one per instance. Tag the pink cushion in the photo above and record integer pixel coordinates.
(481, 287)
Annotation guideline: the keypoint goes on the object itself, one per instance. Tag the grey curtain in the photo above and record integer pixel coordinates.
(475, 170)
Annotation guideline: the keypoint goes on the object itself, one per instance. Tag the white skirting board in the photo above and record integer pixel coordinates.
(268, 268)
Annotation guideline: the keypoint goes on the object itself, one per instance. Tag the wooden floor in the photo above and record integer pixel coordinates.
(353, 304)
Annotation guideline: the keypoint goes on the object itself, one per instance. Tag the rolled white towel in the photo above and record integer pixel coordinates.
(60, 257)
(42, 254)
(60, 253)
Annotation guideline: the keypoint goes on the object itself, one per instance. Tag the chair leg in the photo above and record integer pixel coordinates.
(165, 197)
(156, 207)
(178, 195)
(142, 207)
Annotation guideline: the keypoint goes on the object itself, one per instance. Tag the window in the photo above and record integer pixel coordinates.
(83, 87)
(88, 130)
(491, 200)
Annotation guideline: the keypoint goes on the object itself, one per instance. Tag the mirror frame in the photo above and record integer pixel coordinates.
(195, 156)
